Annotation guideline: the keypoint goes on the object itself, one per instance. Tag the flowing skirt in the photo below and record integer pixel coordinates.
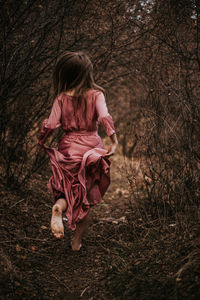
(81, 173)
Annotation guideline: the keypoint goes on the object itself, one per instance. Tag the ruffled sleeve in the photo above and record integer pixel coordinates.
(103, 115)
(53, 122)
(44, 133)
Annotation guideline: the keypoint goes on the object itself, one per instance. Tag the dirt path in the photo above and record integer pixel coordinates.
(37, 266)
(123, 256)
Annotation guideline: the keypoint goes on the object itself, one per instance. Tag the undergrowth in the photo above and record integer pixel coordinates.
(159, 255)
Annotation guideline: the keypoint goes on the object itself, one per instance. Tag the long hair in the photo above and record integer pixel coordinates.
(74, 71)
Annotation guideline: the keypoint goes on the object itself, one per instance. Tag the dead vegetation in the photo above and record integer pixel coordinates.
(143, 243)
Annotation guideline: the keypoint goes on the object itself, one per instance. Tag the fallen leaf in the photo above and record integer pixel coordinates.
(43, 227)
(33, 248)
(136, 262)
(18, 248)
(115, 222)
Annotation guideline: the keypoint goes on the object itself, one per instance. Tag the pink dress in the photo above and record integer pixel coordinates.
(81, 172)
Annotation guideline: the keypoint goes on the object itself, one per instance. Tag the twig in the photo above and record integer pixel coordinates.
(83, 292)
(62, 283)
(17, 203)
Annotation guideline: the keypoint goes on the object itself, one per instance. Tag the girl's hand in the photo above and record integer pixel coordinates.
(111, 149)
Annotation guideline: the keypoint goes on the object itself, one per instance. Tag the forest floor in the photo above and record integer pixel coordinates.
(121, 258)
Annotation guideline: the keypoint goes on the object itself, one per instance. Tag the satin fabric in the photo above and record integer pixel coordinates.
(80, 169)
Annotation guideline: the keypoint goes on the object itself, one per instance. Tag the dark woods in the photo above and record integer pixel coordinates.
(165, 126)
(146, 55)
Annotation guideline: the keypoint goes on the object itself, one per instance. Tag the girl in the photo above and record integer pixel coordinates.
(80, 164)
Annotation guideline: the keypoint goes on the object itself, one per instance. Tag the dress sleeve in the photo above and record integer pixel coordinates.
(53, 122)
(103, 115)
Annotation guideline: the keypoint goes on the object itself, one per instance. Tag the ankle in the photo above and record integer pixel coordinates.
(56, 208)
(76, 244)
(62, 204)
(76, 239)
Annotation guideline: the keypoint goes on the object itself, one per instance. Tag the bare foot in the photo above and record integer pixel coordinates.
(76, 244)
(57, 227)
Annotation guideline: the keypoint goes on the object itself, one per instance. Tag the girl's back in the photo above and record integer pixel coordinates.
(80, 113)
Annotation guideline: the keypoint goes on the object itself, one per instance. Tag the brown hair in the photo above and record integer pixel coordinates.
(74, 71)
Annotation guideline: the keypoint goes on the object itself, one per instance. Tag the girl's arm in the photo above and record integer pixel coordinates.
(106, 120)
(51, 123)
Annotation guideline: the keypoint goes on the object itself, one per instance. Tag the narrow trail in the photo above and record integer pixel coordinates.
(38, 266)
(122, 257)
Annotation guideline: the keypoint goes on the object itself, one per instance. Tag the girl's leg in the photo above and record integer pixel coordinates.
(80, 230)
(56, 218)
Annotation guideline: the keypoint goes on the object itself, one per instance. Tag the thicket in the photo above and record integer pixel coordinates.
(146, 55)
(162, 144)
(33, 34)
(165, 122)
